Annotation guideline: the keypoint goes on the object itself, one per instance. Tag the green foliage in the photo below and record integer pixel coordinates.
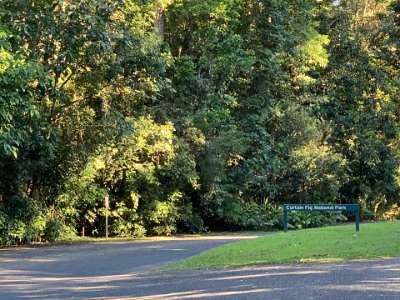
(190, 222)
(56, 230)
(194, 115)
(299, 220)
(126, 222)
(19, 113)
(393, 213)
(360, 105)
(131, 171)
(270, 217)
(24, 222)
(160, 217)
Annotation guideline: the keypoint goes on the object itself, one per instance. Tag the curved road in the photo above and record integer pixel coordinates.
(127, 270)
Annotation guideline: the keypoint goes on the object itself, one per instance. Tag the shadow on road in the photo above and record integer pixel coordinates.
(360, 280)
(126, 271)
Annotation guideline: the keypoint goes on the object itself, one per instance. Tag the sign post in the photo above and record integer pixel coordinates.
(321, 207)
(107, 205)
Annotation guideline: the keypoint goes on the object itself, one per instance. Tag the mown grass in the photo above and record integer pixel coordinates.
(328, 244)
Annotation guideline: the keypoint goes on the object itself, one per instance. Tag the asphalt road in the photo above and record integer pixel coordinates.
(127, 270)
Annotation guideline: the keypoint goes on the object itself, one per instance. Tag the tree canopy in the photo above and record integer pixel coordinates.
(194, 115)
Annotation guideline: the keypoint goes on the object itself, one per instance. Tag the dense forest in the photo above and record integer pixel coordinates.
(191, 115)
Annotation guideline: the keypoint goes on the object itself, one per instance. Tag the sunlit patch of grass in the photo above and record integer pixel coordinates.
(319, 245)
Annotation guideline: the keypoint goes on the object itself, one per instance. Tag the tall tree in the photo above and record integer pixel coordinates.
(361, 101)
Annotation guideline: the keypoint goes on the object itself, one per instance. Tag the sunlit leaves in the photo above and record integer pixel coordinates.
(19, 100)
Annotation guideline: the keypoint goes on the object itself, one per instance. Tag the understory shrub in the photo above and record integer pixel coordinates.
(300, 219)
(26, 222)
(270, 217)
(393, 213)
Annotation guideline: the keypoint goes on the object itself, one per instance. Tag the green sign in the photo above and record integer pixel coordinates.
(321, 207)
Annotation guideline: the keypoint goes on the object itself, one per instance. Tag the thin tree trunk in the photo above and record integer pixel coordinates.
(159, 18)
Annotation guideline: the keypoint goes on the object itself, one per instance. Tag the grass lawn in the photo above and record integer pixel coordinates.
(328, 244)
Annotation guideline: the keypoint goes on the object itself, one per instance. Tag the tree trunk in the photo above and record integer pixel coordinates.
(159, 18)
